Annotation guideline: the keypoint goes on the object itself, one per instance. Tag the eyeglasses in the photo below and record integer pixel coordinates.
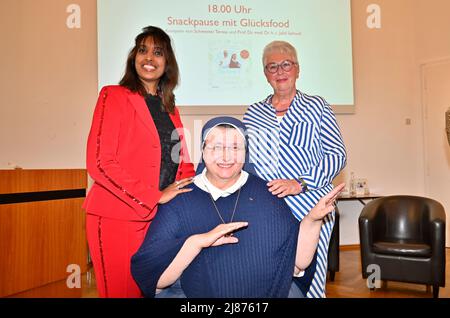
(285, 66)
(221, 148)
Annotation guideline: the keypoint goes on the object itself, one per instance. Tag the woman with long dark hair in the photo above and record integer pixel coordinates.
(137, 157)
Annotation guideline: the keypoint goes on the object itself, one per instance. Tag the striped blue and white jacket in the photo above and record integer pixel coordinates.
(306, 144)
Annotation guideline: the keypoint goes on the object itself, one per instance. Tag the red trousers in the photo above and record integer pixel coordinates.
(111, 245)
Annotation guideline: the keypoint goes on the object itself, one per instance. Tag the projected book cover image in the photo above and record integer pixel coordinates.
(230, 65)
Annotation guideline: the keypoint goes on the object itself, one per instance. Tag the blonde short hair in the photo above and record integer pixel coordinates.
(279, 47)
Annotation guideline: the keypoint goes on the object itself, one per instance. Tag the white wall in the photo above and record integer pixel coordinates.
(48, 85)
(388, 85)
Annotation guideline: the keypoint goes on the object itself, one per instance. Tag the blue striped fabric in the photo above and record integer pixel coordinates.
(306, 144)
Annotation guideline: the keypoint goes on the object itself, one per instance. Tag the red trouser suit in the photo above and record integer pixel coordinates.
(123, 158)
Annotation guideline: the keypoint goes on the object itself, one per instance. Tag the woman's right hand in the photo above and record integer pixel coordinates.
(220, 235)
(193, 246)
(175, 189)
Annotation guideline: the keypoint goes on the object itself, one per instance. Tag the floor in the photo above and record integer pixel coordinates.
(348, 283)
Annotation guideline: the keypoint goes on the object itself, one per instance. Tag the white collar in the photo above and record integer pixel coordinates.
(203, 183)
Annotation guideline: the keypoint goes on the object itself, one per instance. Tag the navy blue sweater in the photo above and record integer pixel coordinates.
(260, 265)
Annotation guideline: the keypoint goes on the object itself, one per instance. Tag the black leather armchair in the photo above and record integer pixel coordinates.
(405, 237)
(333, 248)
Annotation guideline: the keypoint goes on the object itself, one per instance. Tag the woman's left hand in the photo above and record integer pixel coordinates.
(326, 204)
(284, 187)
(175, 189)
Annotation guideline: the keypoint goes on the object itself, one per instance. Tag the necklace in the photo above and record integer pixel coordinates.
(217, 210)
(281, 111)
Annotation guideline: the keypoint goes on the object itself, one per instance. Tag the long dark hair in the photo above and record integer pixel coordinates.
(168, 81)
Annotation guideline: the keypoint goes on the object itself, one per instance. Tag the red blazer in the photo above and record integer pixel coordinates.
(124, 157)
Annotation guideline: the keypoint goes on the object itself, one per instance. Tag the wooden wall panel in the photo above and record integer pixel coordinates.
(17, 181)
(38, 240)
